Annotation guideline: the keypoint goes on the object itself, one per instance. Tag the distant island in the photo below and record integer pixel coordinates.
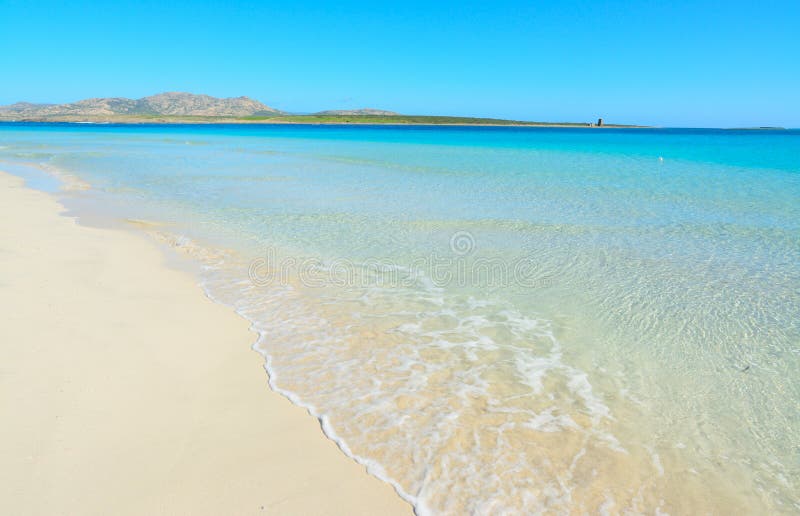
(187, 108)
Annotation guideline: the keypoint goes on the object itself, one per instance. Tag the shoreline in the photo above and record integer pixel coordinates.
(236, 121)
(140, 394)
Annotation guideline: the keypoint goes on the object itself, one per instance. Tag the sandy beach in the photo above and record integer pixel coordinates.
(124, 390)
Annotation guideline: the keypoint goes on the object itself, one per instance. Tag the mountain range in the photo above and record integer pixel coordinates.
(169, 104)
(172, 104)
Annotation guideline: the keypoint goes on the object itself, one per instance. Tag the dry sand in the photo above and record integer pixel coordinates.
(124, 390)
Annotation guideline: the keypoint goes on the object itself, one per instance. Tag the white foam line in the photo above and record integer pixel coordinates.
(373, 468)
(578, 385)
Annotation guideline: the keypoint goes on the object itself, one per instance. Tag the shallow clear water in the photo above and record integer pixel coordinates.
(496, 320)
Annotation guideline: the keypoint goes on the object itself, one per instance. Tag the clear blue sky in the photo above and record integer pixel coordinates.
(672, 63)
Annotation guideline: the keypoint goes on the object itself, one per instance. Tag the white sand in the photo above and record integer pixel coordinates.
(124, 390)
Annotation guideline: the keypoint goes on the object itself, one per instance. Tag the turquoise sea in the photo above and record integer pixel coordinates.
(495, 320)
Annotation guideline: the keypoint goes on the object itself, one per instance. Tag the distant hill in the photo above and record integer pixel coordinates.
(358, 112)
(171, 104)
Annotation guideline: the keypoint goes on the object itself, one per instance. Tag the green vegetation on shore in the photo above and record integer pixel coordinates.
(396, 119)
